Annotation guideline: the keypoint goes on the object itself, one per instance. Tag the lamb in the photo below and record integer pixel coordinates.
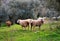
(8, 23)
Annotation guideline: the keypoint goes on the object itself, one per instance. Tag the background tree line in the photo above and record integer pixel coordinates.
(17, 9)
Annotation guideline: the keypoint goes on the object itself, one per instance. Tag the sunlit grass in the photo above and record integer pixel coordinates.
(16, 33)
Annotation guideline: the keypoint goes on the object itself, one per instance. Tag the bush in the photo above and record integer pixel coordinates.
(55, 25)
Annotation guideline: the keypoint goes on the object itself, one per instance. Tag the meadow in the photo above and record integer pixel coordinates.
(16, 33)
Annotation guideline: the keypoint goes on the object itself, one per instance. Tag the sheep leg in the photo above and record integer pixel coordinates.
(22, 28)
(28, 27)
(31, 26)
(39, 27)
(25, 28)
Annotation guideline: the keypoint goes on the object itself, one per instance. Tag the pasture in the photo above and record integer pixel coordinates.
(15, 33)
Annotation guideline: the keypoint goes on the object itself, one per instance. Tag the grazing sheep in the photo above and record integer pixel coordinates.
(8, 23)
(29, 21)
(23, 23)
(36, 23)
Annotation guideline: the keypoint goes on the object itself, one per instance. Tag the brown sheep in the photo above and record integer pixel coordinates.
(36, 23)
(8, 23)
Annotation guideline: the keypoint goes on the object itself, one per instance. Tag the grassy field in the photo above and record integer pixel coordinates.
(15, 33)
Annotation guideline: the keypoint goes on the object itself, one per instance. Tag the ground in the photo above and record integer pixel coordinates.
(15, 33)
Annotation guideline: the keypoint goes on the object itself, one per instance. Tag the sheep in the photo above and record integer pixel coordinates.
(29, 21)
(36, 23)
(23, 23)
(8, 23)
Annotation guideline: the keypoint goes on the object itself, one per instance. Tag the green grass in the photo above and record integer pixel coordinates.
(15, 33)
